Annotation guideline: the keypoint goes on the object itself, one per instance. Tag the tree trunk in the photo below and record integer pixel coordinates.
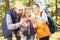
(56, 10)
(30, 2)
(7, 5)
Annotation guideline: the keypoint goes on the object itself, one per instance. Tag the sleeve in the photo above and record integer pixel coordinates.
(9, 23)
(44, 17)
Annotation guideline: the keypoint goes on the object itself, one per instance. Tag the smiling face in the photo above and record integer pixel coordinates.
(36, 8)
(19, 11)
(19, 7)
(27, 11)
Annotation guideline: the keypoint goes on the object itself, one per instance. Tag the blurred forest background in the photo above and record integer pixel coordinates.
(52, 5)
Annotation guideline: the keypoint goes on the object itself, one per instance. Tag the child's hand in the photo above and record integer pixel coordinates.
(27, 24)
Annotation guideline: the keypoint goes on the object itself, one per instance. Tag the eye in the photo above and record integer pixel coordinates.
(20, 9)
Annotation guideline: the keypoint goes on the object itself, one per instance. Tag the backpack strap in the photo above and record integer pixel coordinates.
(41, 14)
(47, 20)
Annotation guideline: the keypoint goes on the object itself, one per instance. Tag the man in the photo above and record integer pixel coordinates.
(11, 22)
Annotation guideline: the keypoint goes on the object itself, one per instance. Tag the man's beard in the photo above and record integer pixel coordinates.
(19, 14)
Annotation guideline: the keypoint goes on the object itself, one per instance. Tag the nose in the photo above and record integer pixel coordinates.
(20, 11)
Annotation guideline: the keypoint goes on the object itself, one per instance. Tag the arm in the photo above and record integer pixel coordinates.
(9, 23)
(44, 17)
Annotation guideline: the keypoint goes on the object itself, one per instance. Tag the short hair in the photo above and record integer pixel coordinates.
(36, 5)
(19, 5)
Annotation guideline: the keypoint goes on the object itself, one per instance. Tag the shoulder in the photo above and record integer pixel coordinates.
(10, 10)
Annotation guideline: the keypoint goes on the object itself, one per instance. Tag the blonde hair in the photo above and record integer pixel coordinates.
(19, 5)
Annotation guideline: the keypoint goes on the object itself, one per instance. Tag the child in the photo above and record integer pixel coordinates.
(27, 29)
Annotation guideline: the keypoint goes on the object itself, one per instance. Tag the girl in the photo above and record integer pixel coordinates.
(42, 29)
(27, 29)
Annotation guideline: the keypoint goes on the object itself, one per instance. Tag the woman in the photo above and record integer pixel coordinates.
(42, 29)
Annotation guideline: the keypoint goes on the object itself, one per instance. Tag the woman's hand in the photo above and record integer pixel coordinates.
(22, 21)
